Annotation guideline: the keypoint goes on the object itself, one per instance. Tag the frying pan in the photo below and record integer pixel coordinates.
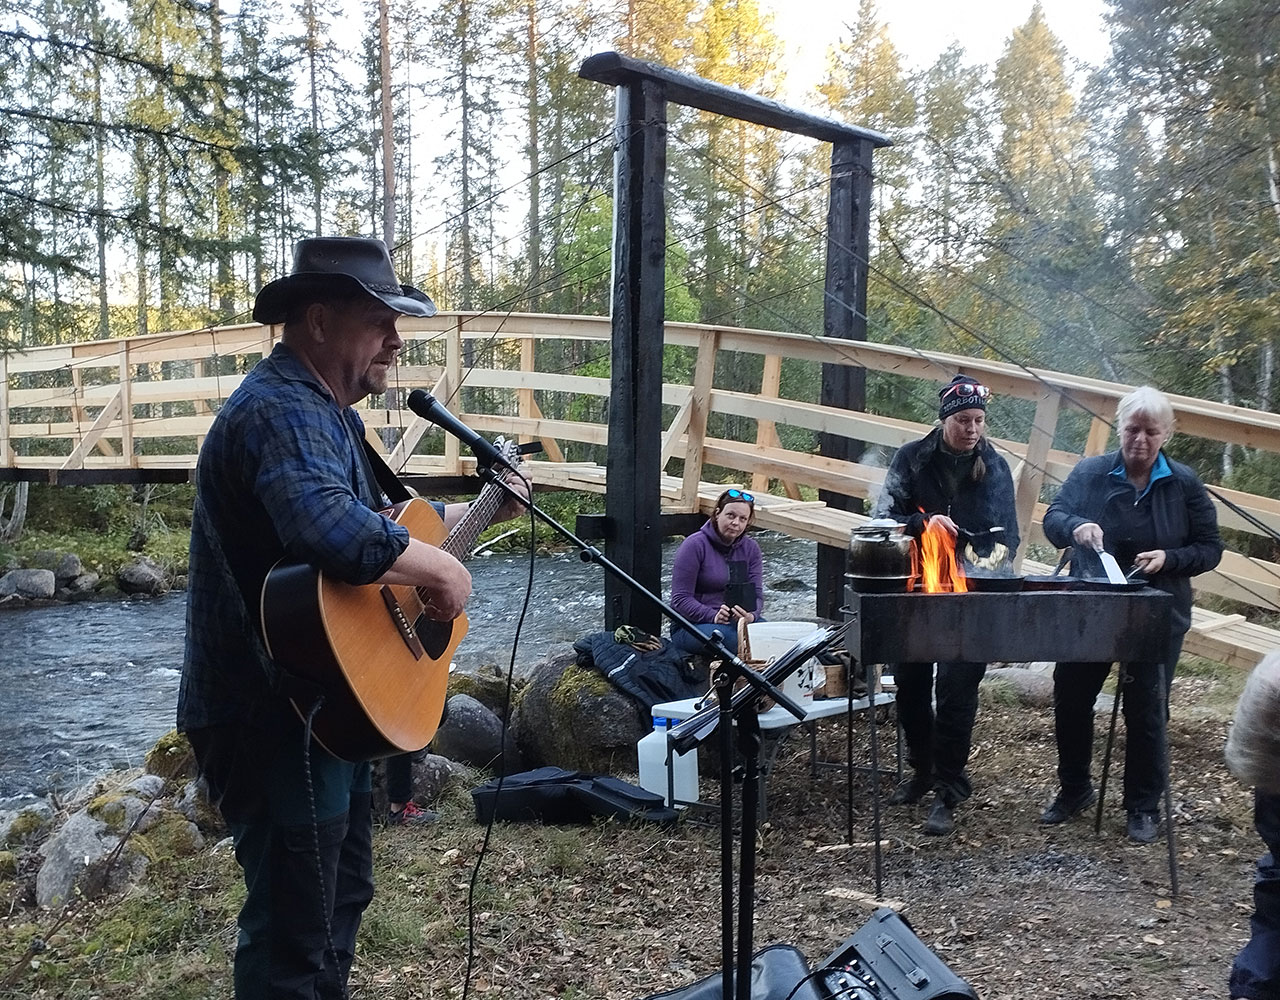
(1077, 584)
(995, 584)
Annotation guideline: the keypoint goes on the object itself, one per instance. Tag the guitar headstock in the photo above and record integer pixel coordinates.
(509, 450)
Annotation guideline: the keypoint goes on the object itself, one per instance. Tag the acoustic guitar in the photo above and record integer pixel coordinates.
(380, 661)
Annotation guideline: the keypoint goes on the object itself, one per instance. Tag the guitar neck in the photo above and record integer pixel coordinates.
(462, 539)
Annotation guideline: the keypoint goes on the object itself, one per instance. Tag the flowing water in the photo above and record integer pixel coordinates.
(88, 687)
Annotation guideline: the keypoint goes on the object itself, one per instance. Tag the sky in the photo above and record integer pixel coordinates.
(922, 29)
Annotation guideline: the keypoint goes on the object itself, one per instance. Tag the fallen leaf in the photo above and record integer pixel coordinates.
(1152, 939)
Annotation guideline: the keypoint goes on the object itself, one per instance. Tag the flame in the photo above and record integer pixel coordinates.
(940, 571)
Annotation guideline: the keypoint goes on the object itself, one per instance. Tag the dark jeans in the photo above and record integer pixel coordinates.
(1256, 972)
(939, 746)
(308, 882)
(686, 643)
(400, 778)
(1145, 705)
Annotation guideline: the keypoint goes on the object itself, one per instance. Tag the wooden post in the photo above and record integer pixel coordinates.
(704, 370)
(451, 387)
(1031, 474)
(126, 408)
(6, 446)
(767, 430)
(632, 504)
(844, 315)
(1099, 435)
(524, 396)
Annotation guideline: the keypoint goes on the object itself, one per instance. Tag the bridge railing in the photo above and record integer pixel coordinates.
(76, 411)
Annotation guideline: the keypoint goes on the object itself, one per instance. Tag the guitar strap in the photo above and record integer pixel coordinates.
(379, 472)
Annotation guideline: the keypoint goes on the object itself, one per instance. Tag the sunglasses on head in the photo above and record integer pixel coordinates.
(967, 389)
(740, 495)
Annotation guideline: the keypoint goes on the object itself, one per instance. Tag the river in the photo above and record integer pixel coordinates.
(88, 687)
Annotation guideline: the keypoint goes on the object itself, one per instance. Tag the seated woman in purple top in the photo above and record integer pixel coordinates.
(717, 571)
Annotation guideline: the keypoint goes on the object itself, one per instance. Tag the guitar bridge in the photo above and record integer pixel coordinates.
(402, 623)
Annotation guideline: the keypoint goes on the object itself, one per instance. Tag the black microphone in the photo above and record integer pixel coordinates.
(426, 405)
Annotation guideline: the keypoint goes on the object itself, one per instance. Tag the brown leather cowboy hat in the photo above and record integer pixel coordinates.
(325, 265)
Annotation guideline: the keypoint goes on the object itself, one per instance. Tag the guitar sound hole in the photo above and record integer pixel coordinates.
(434, 635)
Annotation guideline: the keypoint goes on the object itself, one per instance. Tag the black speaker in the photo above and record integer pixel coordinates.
(884, 960)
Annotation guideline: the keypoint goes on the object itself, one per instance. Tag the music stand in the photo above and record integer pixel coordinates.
(740, 708)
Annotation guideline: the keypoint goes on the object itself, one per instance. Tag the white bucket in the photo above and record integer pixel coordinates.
(770, 640)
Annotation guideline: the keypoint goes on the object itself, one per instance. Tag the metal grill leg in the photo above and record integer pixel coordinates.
(1169, 835)
(1106, 755)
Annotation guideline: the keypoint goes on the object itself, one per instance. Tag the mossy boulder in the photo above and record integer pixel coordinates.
(570, 716)
(171, 757)
(487, 685)
(171, 836)
(24, 825)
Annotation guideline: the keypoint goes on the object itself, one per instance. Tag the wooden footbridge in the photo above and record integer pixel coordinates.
(136, 409)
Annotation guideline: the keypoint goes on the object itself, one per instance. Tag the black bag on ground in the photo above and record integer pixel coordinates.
(775, 973)
(886, 951)
(555, 796)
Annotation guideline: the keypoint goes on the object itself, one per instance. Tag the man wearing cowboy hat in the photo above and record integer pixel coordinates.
(283, 473)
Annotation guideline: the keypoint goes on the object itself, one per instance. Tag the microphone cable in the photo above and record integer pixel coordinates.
(506, 724)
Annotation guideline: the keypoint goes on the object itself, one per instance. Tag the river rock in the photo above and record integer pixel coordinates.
(82, 856)
(77, 856)
(431, 775)
(25, 823)
(472, 734)
(571, 717)
(1028, 687)
(142, 576)
(68, 568)
(29, 583)
(84, 583)
(488, 685)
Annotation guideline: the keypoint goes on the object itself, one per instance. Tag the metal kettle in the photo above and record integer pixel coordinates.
(881, 549)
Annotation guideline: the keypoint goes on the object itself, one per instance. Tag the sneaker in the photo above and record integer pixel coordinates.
(942, 819)
(410, 814)
(1144, 827)
(1064, 806)
(909, 792)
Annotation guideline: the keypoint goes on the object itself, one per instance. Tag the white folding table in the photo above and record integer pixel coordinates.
(779, 721)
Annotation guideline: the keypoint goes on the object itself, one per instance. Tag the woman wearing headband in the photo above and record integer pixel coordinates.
(953, 478)
(718, 575)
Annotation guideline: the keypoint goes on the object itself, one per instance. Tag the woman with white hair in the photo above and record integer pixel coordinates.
(1155, 515)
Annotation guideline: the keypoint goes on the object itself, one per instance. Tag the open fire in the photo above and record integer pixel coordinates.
(940, 570)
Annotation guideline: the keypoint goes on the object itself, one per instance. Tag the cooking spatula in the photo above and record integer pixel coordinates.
(1112, 567)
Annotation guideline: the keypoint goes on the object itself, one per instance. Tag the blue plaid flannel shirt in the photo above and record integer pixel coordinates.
(281, 473)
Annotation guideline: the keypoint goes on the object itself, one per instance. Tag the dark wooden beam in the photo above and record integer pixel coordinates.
(596, 526)
(96, 477)
(680, 88)
(634, 463)
(844, 316)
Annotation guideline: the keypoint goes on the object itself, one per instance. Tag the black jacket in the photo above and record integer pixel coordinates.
(1184, 521)
(913, 487)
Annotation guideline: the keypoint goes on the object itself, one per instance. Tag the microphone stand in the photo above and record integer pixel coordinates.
(730, 707)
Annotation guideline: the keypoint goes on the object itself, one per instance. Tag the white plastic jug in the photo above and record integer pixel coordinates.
(652, 754)
(770, 640)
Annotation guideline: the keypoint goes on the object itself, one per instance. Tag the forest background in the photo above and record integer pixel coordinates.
(158, 158)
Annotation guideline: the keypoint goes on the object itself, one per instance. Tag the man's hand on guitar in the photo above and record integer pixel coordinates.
(511, 507)
(446, 581)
